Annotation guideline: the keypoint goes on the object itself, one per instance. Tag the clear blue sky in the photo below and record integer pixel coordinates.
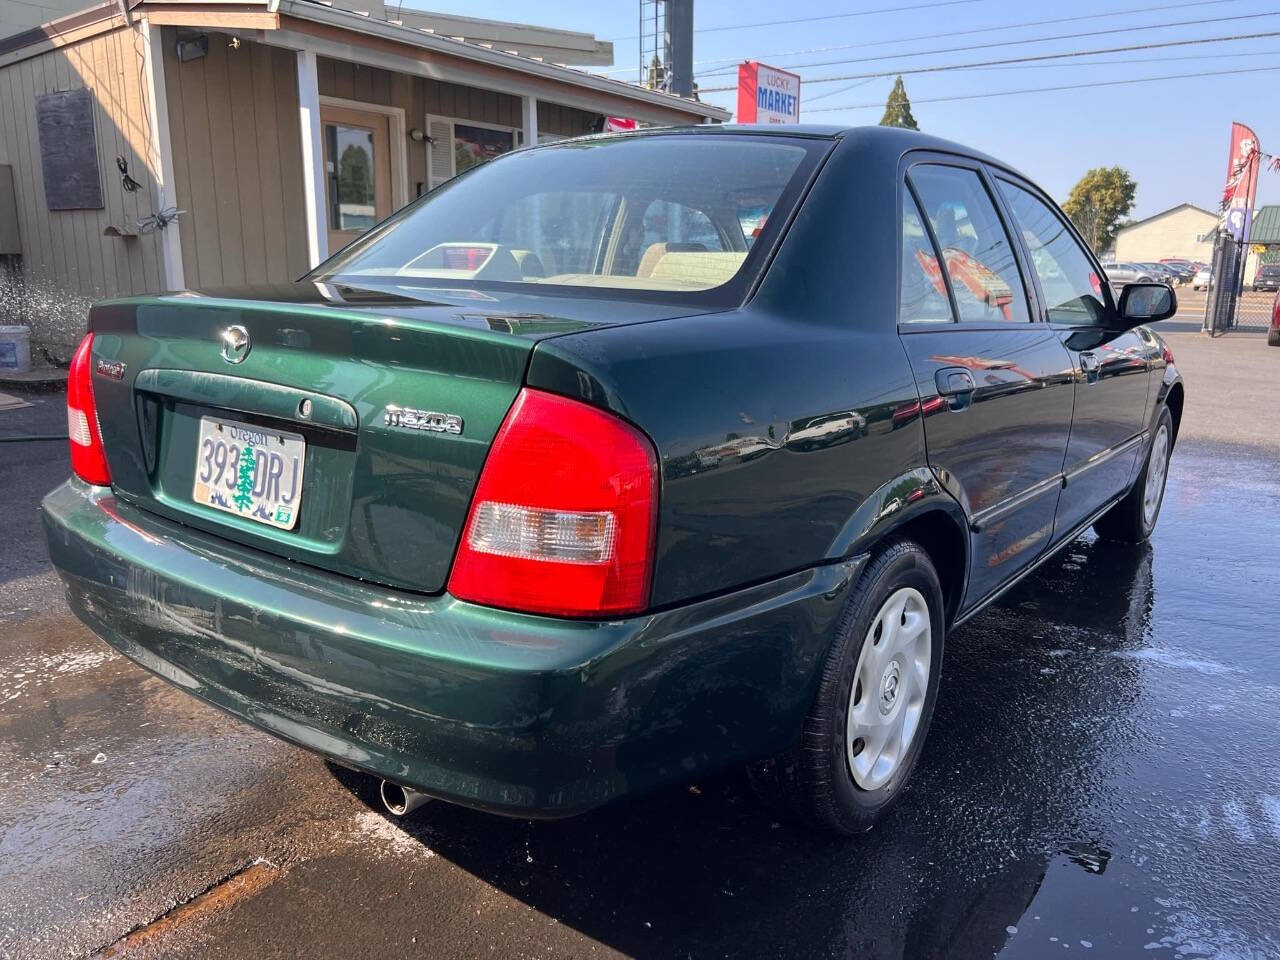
(1172, 135)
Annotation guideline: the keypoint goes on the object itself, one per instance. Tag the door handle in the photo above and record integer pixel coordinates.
(1089, 364)
(956, 384)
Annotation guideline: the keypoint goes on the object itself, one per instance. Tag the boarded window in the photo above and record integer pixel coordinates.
(68, 151)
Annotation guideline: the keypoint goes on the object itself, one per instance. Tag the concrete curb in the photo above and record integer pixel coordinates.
(39, 379)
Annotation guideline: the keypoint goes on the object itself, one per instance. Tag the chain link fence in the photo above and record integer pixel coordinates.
(1233, 306)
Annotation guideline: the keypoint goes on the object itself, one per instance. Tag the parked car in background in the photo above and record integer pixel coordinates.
(1273, 335)
(526, 501)
(1128, 273)
(1203, 279)
(1267, 277)
(1161, 272)
(1181, 268)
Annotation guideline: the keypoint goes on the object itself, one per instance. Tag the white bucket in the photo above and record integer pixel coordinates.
(15, 349)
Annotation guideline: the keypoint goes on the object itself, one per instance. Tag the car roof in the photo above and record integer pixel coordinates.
(875, 138)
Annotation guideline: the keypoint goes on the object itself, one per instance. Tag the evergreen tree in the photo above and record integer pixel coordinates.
(897, 109)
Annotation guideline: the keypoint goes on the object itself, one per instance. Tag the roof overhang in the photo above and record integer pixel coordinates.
(345, 34)
(648, 105)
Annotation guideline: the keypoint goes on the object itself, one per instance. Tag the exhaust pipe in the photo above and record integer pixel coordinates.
(401, 801)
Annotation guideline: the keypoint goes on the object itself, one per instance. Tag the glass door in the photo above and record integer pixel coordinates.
(357, 160)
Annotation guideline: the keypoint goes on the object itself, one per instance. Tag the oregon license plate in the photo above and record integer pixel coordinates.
(250, 471)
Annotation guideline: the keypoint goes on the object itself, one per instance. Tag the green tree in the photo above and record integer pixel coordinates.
(897, 109)
(1099, 203)
(355, 179)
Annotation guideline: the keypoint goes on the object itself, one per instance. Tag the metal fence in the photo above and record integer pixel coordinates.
(1230, 305)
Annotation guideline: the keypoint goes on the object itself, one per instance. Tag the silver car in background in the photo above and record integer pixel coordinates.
(1122, 273)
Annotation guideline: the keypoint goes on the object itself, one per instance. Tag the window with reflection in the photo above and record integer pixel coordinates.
(923, 298)
(350, 167)
(1073, 290)
(975, 249)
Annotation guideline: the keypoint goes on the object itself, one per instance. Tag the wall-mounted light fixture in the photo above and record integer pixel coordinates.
(192, 48)
(418, 136)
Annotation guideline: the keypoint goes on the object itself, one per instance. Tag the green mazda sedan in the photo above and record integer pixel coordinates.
(615, 461)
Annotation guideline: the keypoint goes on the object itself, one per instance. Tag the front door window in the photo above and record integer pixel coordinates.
(1073, 290)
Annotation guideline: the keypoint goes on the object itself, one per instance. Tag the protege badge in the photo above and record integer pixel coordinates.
(429, 420)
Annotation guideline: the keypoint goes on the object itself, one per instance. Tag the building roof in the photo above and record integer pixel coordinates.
(1165, 213)
(324, 12)
(1266, 225)
(325, 16)
(551, 43)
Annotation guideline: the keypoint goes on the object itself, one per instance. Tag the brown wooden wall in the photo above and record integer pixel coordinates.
(237, 154)
(66, 257)
(419, 96)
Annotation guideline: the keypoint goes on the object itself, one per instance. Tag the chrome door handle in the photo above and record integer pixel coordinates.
(1089, 365)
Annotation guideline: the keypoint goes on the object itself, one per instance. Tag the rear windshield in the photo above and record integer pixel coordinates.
(672, 217)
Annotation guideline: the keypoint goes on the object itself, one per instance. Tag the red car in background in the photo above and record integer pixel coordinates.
(1273, 335)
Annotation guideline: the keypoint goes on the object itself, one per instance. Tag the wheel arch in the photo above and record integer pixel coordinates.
(946, 542)
(914, 506)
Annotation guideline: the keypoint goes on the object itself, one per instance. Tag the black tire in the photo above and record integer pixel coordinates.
(1273, 337)
(812, 782)
(1127, 521)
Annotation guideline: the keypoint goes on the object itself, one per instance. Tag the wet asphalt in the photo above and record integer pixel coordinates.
(1102, 776)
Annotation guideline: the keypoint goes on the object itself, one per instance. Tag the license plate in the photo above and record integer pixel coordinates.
(249, 471)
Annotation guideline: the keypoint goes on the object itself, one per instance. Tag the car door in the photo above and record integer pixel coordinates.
(995, 385)
(1112, 371)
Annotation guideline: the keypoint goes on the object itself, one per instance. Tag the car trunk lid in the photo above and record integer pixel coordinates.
(389, 404)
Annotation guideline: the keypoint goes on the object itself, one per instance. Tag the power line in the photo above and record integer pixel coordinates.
(829, 16)
(1106, 63)
(1163, 8)
(941, 68)
(1008, 43)
(838, 90)
(1069, 86)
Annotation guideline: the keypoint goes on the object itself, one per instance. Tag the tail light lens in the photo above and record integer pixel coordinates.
(88, 459)
(564, 515)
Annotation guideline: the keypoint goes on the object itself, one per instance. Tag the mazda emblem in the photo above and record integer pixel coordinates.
(235, 344)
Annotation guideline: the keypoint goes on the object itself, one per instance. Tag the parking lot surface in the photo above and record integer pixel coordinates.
(1103, 775)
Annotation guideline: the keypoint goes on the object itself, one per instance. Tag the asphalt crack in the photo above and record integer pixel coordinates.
(222, 894)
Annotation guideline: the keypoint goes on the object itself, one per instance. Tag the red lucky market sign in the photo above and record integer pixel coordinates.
(767, 94)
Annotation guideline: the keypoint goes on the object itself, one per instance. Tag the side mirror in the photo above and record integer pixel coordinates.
(1146, 303)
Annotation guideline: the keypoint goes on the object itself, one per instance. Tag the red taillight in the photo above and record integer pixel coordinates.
(88, 459)
(563, 517)
(1167, 355)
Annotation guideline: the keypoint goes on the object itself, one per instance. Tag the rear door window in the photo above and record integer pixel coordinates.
(923, 298)
(976, 251)
(1072, 288)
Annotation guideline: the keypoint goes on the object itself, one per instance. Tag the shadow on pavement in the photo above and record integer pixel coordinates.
(1012, 785)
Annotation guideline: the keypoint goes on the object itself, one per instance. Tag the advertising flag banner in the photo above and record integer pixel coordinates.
(1242, 182)
(767, 94)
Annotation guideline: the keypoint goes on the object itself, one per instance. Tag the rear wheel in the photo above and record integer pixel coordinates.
(1273, 337)
(875, 699)
(1134, 518)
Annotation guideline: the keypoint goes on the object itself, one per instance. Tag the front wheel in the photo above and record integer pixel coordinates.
(1133, 519)
(1273, 337)
(875, 699)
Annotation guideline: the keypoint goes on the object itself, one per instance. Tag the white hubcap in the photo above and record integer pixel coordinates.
(889, 687)
(1157, 468)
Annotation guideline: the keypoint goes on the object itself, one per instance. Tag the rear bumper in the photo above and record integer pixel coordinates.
(516, 714)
